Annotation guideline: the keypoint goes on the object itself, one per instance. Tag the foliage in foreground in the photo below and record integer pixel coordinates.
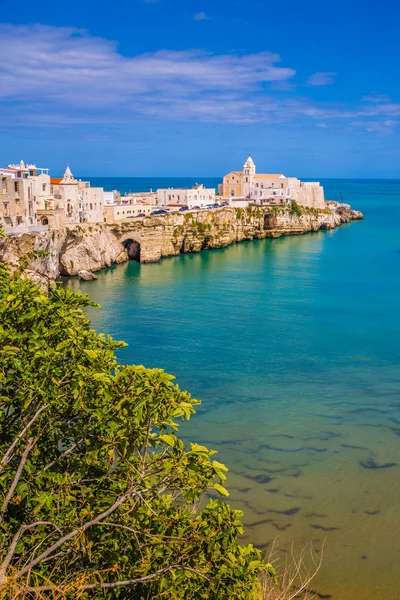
(97, 491)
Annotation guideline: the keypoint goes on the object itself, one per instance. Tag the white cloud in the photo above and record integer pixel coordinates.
(201, 16)
(386, 127)
(376, 98)
(321, 78)
(59, 76)
(66, 67)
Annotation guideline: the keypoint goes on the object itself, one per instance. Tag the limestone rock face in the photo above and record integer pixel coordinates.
(89, 248)
(46, 245)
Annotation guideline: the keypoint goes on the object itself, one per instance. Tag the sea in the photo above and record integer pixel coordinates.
(293, 347)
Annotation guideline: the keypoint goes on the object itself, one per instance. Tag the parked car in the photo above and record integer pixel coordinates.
(195, 208)
(141, 215)
(225, 204)
(183, 208)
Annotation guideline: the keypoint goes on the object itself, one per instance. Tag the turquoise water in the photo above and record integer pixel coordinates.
(293, 346)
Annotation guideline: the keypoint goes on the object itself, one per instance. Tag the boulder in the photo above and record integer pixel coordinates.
(87, 275)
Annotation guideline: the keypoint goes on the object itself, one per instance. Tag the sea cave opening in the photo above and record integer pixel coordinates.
(133, 249)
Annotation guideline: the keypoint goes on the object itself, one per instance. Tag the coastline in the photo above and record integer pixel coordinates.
(84, 249)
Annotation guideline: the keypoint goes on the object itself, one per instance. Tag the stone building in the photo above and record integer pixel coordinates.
(81, 202)
(264, 188)
(24, 195)
(29, 199)
(127, 207)
(198, 195)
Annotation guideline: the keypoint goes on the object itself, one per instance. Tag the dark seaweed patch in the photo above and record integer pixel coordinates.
(301, 449)
(273, 490)
(282, 527)
(258, 523)
(323, 437)
(370, 463)
(370, 409)
(298, 496)
(262, 478)
(323, 528)
(263, 546)
(354, 447)
(372, 512)
(315, 515)
(244, 490)
(290, 512)
(315, 593)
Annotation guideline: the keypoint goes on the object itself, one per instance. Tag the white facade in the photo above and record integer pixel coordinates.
(270, 188)
(195, 196)
(119, 212)
(111, 197)
(81, 202)
(24, 189)
(92, 203)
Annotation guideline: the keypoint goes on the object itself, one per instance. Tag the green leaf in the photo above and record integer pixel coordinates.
(168, 439)
(198, 448)
(223, 491)
(220, 466)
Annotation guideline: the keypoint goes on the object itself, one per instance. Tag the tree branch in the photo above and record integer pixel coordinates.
(151, 535)
(7, 456)
(127, 582)
(64, 453)
(21, 465)
(75, 532)
(14, 542)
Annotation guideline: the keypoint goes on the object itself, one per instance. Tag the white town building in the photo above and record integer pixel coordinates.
(265, 188)
(198, 195)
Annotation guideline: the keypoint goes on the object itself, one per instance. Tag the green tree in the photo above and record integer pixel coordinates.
(295, 208)
(99, 496)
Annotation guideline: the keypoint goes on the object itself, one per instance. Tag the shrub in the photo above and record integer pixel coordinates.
(295, 208)
(98, 493)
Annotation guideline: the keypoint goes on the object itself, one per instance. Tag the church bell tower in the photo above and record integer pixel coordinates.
(249, 170)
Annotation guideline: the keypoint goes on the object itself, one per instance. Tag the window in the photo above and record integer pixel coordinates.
(16, 186)
(43, 187)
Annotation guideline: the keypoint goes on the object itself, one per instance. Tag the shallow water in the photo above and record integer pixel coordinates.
(293, 346)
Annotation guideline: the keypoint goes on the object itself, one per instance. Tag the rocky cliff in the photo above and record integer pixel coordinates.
(91, 248)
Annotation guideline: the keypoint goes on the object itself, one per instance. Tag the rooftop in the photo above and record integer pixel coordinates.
(269, 176)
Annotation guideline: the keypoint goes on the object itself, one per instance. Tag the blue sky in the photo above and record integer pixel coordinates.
(173, 87)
